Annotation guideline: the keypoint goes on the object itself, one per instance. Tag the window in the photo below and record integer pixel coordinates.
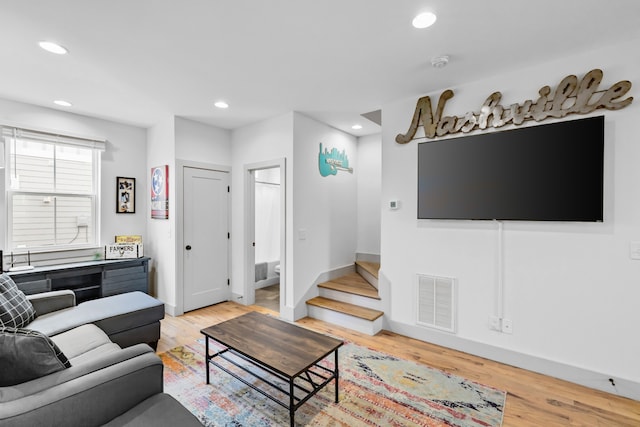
(52, 191)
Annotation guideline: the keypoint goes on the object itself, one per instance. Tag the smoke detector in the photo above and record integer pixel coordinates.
(440, 61)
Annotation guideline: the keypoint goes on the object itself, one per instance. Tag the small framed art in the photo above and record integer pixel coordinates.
(125, 195)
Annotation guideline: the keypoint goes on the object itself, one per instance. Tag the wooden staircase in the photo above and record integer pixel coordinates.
(351, 301)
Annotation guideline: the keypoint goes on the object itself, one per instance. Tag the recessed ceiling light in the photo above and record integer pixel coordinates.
(53, 47)
(356, 127)
(62, 103)
(221, 104)
(424, 20)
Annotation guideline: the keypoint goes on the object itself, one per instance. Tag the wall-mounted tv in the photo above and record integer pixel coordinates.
(552, 172)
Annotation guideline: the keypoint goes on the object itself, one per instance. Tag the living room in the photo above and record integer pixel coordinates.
(568, 289)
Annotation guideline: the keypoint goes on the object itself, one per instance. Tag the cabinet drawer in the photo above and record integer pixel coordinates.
(113, 288)
(35, 286)
(114, 281)
(117, 274)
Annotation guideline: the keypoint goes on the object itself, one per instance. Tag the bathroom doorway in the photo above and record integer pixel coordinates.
(265, 232)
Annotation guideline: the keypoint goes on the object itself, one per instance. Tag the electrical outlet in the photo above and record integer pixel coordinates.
(494, 323)
(507, 326)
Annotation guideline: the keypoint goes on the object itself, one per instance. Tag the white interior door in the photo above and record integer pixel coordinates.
(206, 238)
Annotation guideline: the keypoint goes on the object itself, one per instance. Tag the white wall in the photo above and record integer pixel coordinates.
(199, 142)
(368, 193)
(325, 208)
(571, 289)
(126, 145)
(160, 244)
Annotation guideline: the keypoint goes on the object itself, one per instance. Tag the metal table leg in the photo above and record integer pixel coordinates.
(336, 373)
(207, 358)
(292, 407)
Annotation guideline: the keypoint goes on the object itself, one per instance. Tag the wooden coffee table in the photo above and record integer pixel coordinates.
(276, 349)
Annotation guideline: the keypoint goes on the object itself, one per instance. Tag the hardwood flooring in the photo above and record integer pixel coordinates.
(269, 297)
(533, 400)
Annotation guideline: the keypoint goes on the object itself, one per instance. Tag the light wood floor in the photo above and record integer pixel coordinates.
(269, 297)
(532, 400)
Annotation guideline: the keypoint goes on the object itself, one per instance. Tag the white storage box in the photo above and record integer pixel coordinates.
(123, 251)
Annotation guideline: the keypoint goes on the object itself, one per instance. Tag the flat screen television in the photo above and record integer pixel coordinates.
(551, 172)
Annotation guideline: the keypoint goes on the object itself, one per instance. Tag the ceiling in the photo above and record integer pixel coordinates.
(138, 62)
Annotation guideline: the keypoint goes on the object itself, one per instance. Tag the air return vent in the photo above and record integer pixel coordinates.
(436, 302)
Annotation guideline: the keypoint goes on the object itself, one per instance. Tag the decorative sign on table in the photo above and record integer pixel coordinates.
(123, 251)
(572, 96)
(126, 246)
(330, 162)
(129, 238)
(160, 192)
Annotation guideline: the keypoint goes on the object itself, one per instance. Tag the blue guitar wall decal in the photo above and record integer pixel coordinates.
(330, 163)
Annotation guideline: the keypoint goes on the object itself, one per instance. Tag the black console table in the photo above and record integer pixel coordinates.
(89, 279)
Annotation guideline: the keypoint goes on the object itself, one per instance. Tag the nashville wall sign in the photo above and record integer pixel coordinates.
(572, 96)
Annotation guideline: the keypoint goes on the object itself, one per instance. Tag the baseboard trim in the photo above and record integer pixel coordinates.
(171, 310)
(592, 379)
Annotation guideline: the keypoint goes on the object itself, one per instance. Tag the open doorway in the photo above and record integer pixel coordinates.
(265, 284)
(267, 238)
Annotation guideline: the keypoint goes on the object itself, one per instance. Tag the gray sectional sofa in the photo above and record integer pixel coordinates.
(90, 364)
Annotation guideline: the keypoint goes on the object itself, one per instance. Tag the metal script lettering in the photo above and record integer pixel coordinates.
(570, 97)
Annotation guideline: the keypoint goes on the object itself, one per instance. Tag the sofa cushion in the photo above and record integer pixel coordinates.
(84, 343)
(16, 310)
(29, 354)
(159, 410)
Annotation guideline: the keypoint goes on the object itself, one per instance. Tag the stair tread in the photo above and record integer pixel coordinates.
(371, 267)
(352, 283)
(346, 308)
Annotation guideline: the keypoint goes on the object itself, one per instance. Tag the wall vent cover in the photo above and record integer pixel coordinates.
(437, 302)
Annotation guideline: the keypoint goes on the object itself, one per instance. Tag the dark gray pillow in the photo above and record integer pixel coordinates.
(16, 310)
(26, 355)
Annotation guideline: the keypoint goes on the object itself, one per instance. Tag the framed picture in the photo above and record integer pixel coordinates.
(160, 192)
(125, 195)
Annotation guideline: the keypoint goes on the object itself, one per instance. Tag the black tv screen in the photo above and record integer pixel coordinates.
(551, 172)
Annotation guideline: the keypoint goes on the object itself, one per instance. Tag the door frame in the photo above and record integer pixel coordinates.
(249, 229)
(180, 165)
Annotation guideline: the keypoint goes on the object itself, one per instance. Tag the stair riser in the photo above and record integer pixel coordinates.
(374, 304)
(367, 276)
(357, 324)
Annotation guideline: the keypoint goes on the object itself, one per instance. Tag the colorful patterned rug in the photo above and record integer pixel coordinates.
(376, 389)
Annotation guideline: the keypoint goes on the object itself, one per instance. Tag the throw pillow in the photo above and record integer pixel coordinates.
(26, 355)
(16, 310)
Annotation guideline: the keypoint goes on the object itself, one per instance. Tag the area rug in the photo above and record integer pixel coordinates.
(375, 389)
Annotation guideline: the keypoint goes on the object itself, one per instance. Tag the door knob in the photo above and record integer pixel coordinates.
(188, 247)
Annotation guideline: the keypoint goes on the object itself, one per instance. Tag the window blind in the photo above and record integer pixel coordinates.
(50, 136)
